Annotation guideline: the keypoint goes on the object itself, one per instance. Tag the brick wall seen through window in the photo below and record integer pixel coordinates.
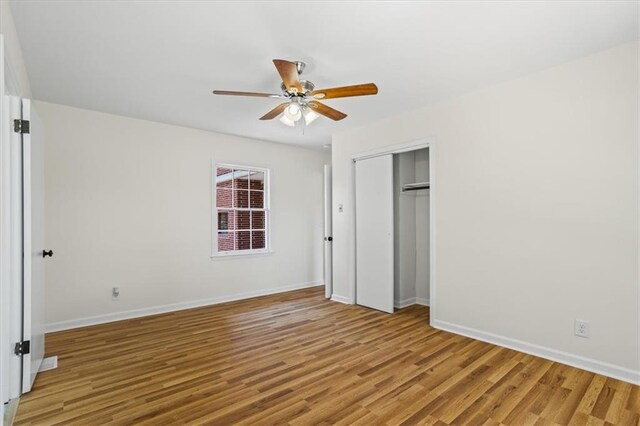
(242, 222)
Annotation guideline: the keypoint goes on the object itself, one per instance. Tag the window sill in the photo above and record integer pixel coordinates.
(240, 255)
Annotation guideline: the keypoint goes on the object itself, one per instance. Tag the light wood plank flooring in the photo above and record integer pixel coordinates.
(296, 358)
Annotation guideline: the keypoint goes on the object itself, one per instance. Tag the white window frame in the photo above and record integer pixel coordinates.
(215, 254)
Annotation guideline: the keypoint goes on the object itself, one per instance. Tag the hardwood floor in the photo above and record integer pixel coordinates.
(297, 358)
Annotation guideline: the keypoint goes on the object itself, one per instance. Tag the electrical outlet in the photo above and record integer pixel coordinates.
(582, 328)
(115, 293)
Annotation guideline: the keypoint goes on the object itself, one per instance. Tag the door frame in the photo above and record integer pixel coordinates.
(5, 246)
(413, 145)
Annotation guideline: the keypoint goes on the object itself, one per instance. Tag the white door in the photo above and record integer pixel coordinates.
(374, 232)
(328, 238)
(34, 244)
(13, 106)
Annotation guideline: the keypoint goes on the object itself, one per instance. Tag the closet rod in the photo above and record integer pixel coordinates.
(415, 186)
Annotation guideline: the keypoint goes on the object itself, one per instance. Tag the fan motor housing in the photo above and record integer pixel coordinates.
(307, 87)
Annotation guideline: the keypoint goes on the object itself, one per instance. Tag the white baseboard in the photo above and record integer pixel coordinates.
(341, 299)
(423, 301)
(49, 363)
(136, 313)
(399, 304)
(411, 301)
(583, 363)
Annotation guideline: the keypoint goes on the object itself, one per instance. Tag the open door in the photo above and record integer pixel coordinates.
(33, 295)
(374, 232)
(328, 238)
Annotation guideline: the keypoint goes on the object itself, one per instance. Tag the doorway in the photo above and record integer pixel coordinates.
(394, 226)
(411, 188)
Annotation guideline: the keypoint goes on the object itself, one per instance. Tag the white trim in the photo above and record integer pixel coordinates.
(137, 313)
(433, 190)
(341, 299)
(399, 304)
(411, 301)
(5, 245)
(413, 145)
(638, 237)
(423, 301)
(583, 363)
(236, 254)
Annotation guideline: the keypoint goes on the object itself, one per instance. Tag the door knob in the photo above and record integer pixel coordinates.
(47, 253)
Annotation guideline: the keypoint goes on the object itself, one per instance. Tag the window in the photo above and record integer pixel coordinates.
(223, 221)
(242, 208)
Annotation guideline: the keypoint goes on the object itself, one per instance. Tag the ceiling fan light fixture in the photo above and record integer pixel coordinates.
(285, 120)
(301, 95)
(309, 116)
(293, 112)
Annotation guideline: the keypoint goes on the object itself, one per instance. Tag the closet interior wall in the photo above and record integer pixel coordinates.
(411, 233)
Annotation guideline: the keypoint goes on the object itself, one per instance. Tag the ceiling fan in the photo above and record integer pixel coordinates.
(301, 96)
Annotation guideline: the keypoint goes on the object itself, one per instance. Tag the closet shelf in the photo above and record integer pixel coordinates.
(415, 186)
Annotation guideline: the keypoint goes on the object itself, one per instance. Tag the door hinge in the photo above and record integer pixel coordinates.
(21, 126)
(23, 348)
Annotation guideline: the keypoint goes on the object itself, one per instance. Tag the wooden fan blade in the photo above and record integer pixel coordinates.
(275, 112)
(346, 91)
(289, 74)
(327, 111)
(254, 94)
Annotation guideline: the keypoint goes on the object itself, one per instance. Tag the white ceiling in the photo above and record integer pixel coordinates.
(161, 60)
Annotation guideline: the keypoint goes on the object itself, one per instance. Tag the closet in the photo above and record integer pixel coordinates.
(392, 230)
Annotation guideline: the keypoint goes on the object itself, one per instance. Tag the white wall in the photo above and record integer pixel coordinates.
(129, 205)
(16, 72)
(536, 209)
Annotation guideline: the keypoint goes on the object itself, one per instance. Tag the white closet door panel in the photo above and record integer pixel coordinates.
(374, 233)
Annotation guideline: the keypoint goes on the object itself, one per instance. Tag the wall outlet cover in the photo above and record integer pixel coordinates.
(582, 328)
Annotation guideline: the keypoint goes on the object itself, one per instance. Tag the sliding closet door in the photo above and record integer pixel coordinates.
(374, 233)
